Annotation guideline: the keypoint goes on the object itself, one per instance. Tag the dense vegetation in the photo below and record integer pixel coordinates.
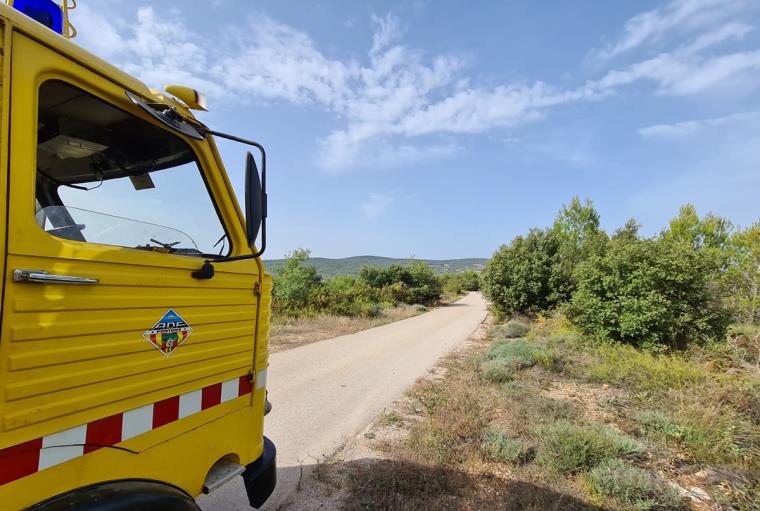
(686, 284)
(329, 268)
(300, 290)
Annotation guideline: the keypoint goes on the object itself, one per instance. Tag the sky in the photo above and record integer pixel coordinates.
(427, 129)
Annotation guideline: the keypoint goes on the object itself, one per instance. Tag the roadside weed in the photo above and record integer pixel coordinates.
(568, 447)
(498, 445)
(633, 486)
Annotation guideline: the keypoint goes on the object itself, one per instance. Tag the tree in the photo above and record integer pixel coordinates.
(460, 282)
(578, 235)
(649, 292)
(742, 278)
(295, 284)
(629, 232)
(517, 278)
(710, 233)
(412, 283)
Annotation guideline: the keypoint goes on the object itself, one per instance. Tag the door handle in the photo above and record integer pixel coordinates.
(43, 277)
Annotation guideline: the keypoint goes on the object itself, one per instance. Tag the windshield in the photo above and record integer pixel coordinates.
(105, 175)
(90, 226)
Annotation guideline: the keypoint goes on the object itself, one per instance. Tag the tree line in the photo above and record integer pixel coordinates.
(686, 284)
(299, 289)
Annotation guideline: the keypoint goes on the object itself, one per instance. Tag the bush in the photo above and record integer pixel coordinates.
(346, 296)
(633, 486)
(512, 329)
(504, 358)
(295, 285)
(567, 447)
(496, 371)
(461, 282)
(414, 283)
(516, 279)
(499, 446)
(648, 293)
(742, 278)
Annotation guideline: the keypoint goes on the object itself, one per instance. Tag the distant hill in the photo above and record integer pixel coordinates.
(351, 265)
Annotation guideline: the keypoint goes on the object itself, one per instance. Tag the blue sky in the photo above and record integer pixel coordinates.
(437, 130)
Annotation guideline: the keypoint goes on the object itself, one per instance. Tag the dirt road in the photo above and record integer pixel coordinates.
(327, 392)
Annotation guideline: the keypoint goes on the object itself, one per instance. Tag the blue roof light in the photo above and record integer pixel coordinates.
(46, 12)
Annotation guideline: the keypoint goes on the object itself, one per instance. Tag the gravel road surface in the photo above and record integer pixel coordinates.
(326, 393)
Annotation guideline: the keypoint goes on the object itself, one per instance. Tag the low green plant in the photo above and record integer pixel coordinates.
(633, 486)
(496, 371)
(622, 364)
(504, 358)
(512, 329)
(498, 445)
(658, 426)
(568, 447)
(391, 418)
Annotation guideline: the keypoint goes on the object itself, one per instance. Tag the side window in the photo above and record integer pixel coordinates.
(106, 176)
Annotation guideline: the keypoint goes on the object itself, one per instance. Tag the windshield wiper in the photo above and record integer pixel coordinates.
(168, 246)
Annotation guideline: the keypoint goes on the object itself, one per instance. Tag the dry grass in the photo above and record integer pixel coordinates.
(287, 333)
(559, 433)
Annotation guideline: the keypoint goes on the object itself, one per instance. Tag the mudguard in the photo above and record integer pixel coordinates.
(121, 496)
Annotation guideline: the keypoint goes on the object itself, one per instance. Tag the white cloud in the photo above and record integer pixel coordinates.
(396, 98)
(688, 69)
(388, 32)
(686, 128)
(376, 204)
(674, 17)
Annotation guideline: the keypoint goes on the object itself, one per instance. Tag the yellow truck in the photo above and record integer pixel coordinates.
(135, 307)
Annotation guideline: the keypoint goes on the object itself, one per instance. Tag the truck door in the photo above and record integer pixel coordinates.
(109, 214)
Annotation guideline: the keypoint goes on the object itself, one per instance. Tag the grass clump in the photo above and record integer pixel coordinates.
(625, 365)
(496, 371)
(512, 329)
(391, 418)
(633, 486)
(568, 447)
(709, 435)
(498, 445)
(504, 358)
(658, 426)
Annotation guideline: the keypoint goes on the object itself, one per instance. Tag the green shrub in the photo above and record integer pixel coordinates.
(567, 447)
(499, 446)
(460, 282)
(413, 283)
(516, 279)
(742, 277)
(519, 354)
(346, 296)
(496, 371)
(512, 329)
(295, 285)
(648, 293)
(658, 426)
(633, 486)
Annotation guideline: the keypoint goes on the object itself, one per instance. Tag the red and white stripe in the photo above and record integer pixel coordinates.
(51, 450)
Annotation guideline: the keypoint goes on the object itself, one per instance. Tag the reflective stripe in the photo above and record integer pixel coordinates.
(27, 458)
(63, 446)
(261, 379)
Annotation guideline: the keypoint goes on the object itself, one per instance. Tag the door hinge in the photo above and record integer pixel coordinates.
(257, 289)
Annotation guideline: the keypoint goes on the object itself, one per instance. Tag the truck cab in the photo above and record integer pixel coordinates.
(134, 312)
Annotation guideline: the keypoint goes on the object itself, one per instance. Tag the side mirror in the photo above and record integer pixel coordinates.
(255, 203)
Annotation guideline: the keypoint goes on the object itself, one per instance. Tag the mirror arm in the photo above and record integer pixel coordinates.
(207, 270)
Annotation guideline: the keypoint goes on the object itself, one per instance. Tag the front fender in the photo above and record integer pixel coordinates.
(121, 496)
